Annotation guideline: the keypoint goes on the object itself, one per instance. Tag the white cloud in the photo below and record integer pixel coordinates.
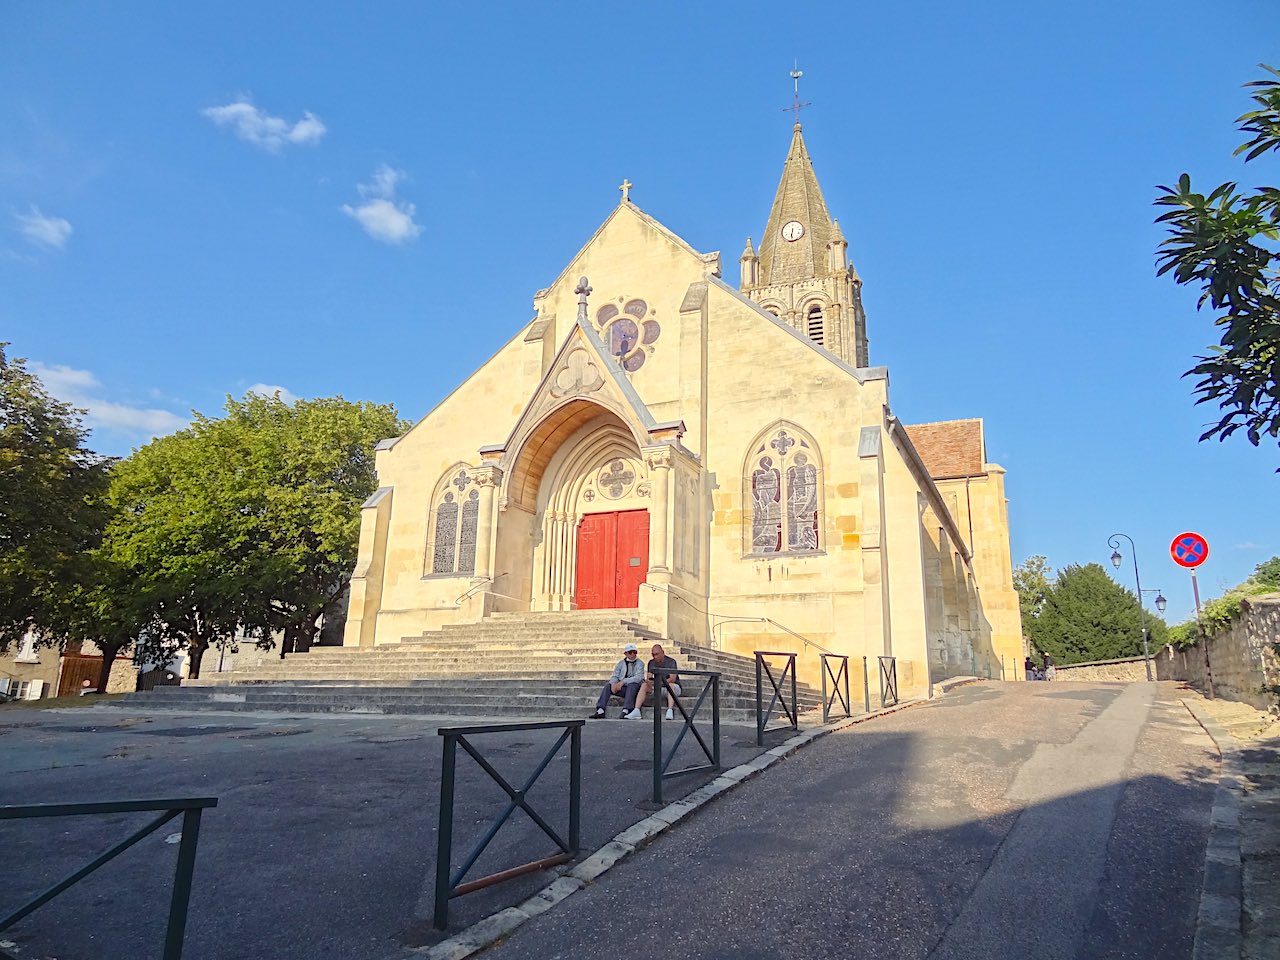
(382, 216)
(81, 388)
(273, 389)
(262, 129)
(52, 233)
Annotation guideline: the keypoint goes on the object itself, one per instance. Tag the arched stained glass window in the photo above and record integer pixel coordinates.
(784, 494)
(457, 510)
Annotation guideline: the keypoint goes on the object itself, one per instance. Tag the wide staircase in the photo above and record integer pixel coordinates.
(531, 665)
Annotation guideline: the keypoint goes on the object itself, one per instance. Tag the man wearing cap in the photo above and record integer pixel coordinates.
(625, 682)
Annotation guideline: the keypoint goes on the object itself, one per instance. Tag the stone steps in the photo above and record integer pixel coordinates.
(538, 665)
(338, 698)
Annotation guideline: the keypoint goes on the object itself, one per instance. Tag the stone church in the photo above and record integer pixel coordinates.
(616, 453)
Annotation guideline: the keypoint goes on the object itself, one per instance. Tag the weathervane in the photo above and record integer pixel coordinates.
(796, 104)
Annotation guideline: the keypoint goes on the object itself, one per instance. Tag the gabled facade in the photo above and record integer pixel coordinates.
(660, 441)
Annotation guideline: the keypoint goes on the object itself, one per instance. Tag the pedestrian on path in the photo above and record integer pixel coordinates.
(625, 682)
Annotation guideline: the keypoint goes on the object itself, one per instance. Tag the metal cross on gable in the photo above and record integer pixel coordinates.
(796, 105)
(625, 187)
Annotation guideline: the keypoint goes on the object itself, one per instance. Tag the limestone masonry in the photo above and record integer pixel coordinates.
(723, 462)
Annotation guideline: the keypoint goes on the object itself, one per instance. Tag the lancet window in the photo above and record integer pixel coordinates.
(784, 492)
(813, 320)
(457, 512)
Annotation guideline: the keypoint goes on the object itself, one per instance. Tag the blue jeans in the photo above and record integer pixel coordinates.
(628, 695)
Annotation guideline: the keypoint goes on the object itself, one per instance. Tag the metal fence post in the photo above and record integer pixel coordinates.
(715, 718)
(759, 703)
(181, 898)
(657, 747)
(575, 791)
(866, 687)
(444, 836)
(823, 658)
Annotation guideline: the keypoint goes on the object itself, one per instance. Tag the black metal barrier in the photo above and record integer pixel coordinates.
(448, 887)
(837, 693)
(660, 762)
(762, 714)
(189, 807)
(888, 682)
(866, 687)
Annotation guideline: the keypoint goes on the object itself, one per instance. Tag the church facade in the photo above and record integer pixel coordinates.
(722, 462)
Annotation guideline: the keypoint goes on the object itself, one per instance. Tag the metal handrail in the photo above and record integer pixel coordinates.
(189, 807)
(712, 753)
(837, 693)
(727, 618)
(447, 886)
(762, 714)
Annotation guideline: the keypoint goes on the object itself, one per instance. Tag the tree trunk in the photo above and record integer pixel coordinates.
(195, 653)
(109, 651)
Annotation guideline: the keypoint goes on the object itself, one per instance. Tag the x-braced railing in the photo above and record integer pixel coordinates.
(450, 886)
(839, 686)
(763, 714)
(712, 753)
(888, 681)
(190, 808)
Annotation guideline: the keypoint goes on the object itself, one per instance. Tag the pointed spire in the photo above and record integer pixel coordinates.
(800, 213)
(748, 251)
(836, 233)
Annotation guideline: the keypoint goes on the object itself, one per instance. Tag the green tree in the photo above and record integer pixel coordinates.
(251, 520)
(1031, 580)
(1224, 242)
(1088, 616)
(1267, 574)
(50, 505)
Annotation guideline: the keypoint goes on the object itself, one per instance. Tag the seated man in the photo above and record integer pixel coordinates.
(625, 682)
(660, 659)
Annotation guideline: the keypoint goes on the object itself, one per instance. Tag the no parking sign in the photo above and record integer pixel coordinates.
(1189, 550)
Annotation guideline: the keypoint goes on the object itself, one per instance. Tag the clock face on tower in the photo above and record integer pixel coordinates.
(792, 231)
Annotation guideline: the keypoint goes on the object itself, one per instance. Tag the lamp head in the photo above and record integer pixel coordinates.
(1161, 602)
(1115, 559)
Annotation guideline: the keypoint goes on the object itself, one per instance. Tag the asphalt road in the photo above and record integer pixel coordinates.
(1019, 820)
(323, 841)
(1007, 821)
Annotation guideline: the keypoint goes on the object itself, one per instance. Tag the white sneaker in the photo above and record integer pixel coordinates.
(671, 714)
(634, 715)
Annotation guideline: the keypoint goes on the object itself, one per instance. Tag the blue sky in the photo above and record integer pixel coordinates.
(195, 200)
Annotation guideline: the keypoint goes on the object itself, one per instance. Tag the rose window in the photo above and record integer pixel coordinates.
(629, 332)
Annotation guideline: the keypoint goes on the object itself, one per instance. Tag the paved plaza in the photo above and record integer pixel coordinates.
(1019, 820)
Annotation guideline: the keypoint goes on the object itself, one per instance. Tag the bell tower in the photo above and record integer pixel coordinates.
(802, 273)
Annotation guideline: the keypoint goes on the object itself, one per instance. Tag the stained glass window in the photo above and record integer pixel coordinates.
(784, 491)
(453, 544)
(467, 538)
(446, 535)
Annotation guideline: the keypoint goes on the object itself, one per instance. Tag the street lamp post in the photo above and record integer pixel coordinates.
(1116, 559)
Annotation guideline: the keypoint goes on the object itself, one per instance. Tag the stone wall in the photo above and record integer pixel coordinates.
(1105, 671)
(1242, 658)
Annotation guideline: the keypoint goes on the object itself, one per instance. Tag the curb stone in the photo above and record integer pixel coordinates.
(493, 928)
(1219, 933)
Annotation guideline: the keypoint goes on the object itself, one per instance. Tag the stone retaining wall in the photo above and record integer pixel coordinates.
(1242, 658)
(1104, 671)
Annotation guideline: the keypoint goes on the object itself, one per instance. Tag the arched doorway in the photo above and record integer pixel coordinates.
(583, 479)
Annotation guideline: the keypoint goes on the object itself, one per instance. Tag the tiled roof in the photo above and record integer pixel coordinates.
(950, 448)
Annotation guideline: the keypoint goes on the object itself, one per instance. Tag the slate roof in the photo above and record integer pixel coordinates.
(950, 448)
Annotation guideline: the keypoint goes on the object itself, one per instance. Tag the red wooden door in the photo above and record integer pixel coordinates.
(633, 556)
(613, 559)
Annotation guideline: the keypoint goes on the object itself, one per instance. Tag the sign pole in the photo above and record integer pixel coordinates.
(1204, 640)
